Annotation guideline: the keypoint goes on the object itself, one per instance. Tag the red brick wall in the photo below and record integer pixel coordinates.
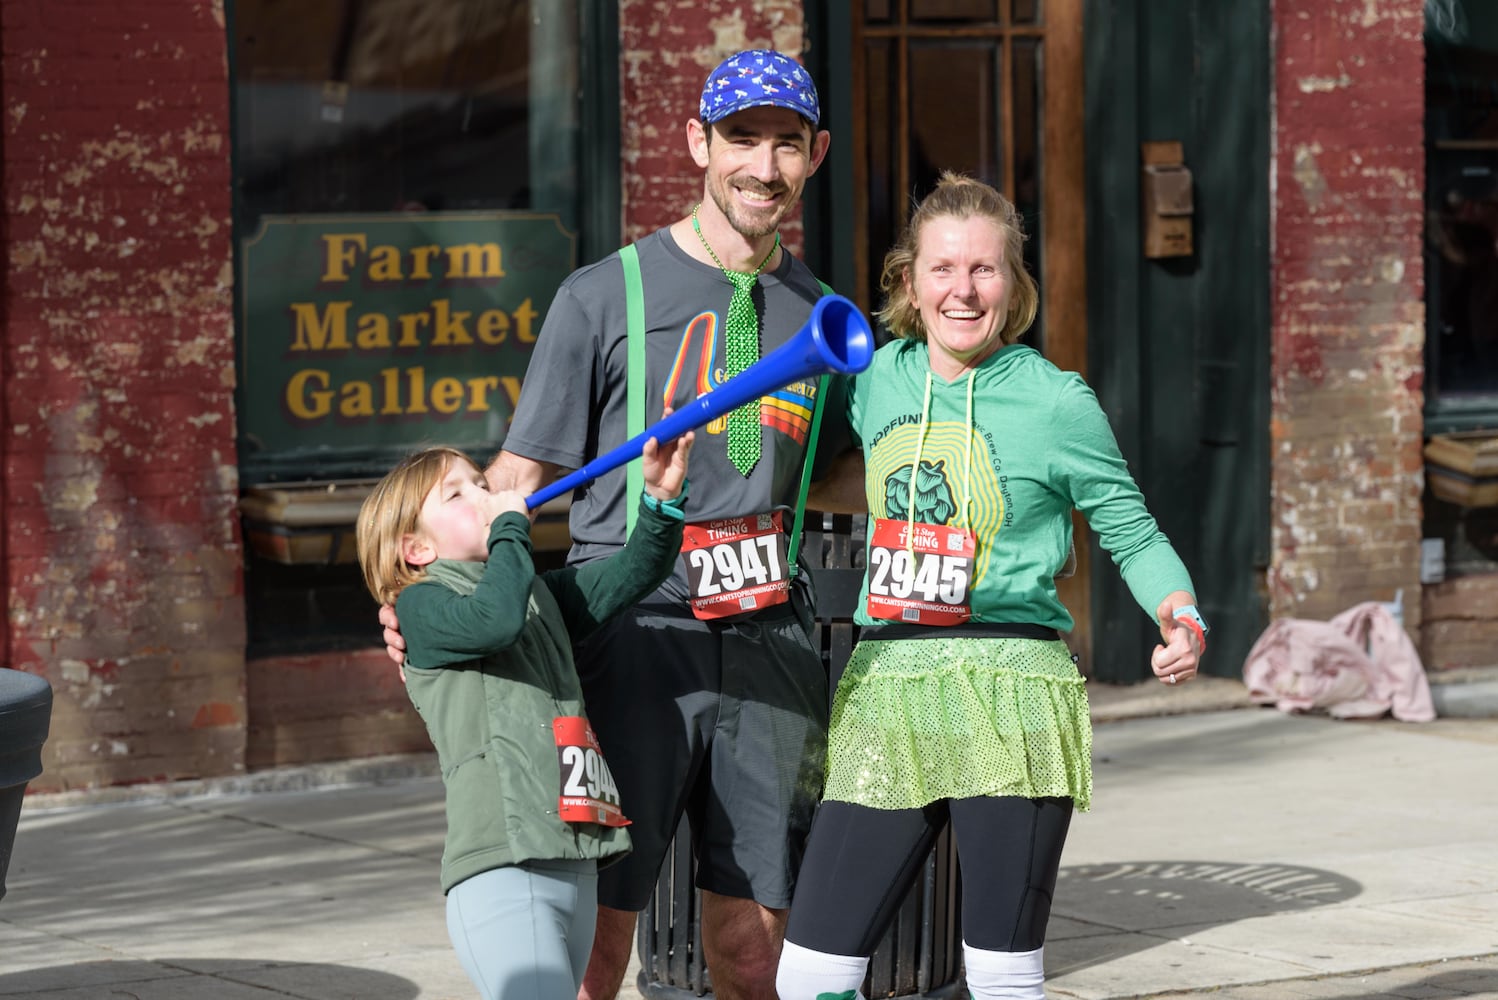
(328, 707)
(1347, 308)
(1460, 627)
(122, 557)
(666, 51)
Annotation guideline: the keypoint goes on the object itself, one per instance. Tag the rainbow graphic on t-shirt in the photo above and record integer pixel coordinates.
(699, 338)
(786, 410)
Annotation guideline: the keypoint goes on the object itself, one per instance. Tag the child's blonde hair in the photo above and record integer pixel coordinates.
(390, 512)
(960, 198)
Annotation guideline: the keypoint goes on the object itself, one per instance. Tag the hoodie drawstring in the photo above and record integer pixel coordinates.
(915, 469)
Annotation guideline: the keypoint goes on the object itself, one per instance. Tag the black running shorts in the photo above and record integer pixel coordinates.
(725, 722)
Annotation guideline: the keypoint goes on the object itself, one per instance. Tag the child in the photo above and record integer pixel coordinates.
(532, 810)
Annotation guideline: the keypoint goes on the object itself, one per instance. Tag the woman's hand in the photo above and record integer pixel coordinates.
(1179, 655)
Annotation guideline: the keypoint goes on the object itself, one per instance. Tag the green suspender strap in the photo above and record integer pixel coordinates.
(634, 309)
(811, 451)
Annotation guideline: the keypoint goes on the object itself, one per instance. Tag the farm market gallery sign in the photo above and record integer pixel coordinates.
(383, 332)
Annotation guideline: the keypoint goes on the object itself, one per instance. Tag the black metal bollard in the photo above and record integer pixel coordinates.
(920, 956)
(25, 717)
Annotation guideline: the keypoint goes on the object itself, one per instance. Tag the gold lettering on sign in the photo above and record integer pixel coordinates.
(325, 329)
(385, 263)
(312, 394)
(353, 326)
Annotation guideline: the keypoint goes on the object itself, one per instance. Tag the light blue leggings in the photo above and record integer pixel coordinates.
(524, 932)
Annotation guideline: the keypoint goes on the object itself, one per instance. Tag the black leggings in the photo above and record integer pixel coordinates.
(860, 863)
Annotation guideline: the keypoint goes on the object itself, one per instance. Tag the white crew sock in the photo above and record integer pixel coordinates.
(814, 975)
(1004, 975)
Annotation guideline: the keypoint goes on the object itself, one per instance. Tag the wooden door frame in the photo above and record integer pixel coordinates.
(1064, 257)
(837, 222)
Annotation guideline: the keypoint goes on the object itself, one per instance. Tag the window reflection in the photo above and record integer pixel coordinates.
(938, 94)
(1464, 235)
(961, 134)
(1461, 256)
(405, 105)
(1026, 82)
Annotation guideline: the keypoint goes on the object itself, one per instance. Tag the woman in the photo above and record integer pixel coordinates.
(961, 701)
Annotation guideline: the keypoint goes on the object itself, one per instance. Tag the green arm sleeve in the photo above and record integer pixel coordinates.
(1096, 477)
(594, 592)
(443, 627)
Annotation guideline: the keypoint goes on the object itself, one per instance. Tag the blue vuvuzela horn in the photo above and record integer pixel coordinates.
(837, 338)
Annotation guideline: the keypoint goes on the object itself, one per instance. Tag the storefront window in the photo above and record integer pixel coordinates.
(411, 182)
(408, 197)
(1461, 98)
(406, 105)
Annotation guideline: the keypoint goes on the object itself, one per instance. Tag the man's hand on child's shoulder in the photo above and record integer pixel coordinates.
(395, 643)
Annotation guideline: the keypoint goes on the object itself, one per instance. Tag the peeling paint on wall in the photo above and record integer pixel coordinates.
(1312, 84)
(122, 551)
(1307, 176)
(1348, 309)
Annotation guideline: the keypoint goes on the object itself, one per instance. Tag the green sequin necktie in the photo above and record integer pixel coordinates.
(741, 340)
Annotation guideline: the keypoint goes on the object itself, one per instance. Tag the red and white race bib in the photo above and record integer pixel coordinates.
(588, 794)
(923, 584)
(736, 565)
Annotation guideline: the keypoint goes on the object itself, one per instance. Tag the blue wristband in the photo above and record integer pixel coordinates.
(1189, 612)
(1192, 619)
(669, 508)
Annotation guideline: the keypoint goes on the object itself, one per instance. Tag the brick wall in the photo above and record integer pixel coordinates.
(327, 707)
(1460, 629)
(666, 51)
(122, 557)
(1348, 314)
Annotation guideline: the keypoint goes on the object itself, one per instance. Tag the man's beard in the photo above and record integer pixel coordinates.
(751, 223)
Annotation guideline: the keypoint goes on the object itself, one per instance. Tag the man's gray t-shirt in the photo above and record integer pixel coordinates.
(573, 405)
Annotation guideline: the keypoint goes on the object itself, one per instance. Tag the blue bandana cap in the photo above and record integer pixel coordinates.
(758, 78)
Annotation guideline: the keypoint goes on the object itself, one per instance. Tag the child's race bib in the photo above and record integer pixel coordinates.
(588, 793)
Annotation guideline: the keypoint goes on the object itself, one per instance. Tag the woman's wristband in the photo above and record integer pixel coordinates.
(1188, 616)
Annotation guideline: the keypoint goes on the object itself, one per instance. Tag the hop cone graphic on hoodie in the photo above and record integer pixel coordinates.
(933, 497)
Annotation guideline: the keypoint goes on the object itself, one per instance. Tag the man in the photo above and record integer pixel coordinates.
(721, 715)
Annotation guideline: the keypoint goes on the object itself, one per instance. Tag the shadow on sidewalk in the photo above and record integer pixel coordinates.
(1445, 984)
(238, 978)
(1127, 907)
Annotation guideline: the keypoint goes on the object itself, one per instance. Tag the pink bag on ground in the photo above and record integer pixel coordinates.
(1359, 665)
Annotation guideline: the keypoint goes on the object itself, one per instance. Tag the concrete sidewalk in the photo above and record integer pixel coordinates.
(1237, 853)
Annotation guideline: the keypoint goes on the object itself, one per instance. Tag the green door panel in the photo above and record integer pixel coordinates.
(1179, 347)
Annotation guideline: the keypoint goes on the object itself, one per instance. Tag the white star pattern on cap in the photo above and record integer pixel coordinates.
(758, 78)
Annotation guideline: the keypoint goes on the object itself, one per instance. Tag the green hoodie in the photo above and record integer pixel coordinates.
(489, 666)
(1026, 442)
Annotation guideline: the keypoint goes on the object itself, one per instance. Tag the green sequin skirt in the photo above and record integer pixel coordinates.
(917, 720)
